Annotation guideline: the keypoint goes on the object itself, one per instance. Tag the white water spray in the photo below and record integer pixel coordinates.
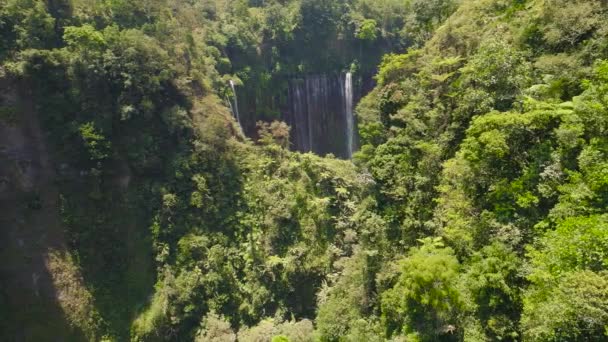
(348, 111)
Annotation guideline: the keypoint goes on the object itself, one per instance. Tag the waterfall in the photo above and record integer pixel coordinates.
(348, 111)
(300, 120)
(319, 110)
(235, 110)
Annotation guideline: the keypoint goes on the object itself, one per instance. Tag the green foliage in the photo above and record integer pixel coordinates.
(568, 22)
(271, 330)
(343, 306)
(215, 329)
(511, 156)
(425, 300)
(276, 132)
(497, 73)
(394, 67)
(95, 142)
(367, 31)
(574, 308)
(578, 243)
(25, 24)
(493, 281)
(475, 209)
(149, 325)
(84, 37)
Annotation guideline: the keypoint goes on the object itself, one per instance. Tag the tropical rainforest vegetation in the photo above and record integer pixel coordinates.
(475, 210)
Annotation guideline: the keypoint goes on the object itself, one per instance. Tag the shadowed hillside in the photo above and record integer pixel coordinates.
(304, 170)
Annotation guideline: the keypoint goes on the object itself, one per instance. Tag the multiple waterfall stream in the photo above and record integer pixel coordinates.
(320, 113)
(319, 110)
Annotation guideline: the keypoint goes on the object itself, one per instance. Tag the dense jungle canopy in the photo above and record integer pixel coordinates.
(304, 170)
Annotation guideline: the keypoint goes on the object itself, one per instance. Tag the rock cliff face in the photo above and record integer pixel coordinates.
(39, 284)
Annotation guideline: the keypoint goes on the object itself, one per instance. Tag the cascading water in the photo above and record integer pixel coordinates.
(320, 113)
(348, 112)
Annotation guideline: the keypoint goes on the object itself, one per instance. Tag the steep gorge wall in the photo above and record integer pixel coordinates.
(42, 291)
